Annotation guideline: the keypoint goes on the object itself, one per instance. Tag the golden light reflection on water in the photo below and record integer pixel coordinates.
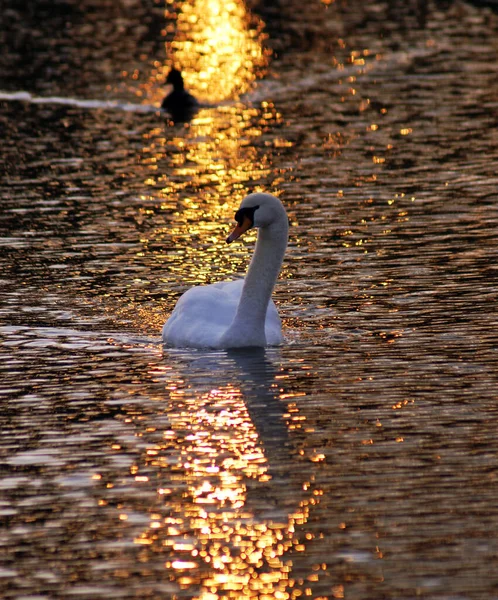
(195, 175)
(217, 46)
(217, 523)
(197, 178)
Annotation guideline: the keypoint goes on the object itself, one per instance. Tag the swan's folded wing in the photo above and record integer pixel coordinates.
(202, 315)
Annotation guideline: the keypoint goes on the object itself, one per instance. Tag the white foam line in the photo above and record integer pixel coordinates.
(107, 105)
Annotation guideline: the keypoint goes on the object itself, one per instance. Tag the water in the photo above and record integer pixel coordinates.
(357, 461)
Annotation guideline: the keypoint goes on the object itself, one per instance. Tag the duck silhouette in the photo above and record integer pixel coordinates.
(179, 103)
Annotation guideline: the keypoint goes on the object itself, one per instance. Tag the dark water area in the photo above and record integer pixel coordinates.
(360, 459)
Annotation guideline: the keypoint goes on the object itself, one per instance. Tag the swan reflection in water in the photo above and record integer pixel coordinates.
(261, 396)
(260, 391)
(231, 499)
(247, 380)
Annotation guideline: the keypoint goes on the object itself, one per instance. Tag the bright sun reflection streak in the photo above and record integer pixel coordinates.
(215, 541)
(195, 175)
(197, 178)
(215, 47)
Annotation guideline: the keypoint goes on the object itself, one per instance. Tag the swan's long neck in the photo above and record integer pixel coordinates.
(249, 321)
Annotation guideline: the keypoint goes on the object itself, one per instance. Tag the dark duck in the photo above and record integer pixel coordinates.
(179, 103)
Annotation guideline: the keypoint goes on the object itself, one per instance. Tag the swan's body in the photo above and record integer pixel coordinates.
(179, 103)
(234, 314)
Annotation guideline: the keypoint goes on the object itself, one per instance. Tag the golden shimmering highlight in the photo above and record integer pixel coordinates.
(194, 175)
(217, 46)
(218, 526)
(194, 179)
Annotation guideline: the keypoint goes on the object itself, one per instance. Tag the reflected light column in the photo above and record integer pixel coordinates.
(218, 47)
(215, 543)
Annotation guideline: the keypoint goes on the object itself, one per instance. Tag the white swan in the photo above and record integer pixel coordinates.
(236, 314)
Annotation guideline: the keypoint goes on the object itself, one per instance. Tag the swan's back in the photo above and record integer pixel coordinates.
(204, 313)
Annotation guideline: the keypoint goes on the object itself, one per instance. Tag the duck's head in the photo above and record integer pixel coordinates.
(257, 210)
(175, 79)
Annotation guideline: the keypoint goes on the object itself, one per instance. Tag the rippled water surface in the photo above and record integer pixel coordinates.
(357, 461)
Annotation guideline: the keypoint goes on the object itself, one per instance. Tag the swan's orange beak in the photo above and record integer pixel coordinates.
(240, 229)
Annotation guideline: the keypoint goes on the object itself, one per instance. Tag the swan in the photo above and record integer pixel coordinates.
(237, 314)
(180, 104)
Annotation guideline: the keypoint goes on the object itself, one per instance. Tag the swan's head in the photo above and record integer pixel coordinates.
(257, 210)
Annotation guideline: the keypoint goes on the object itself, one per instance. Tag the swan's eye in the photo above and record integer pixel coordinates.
(245, 212)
